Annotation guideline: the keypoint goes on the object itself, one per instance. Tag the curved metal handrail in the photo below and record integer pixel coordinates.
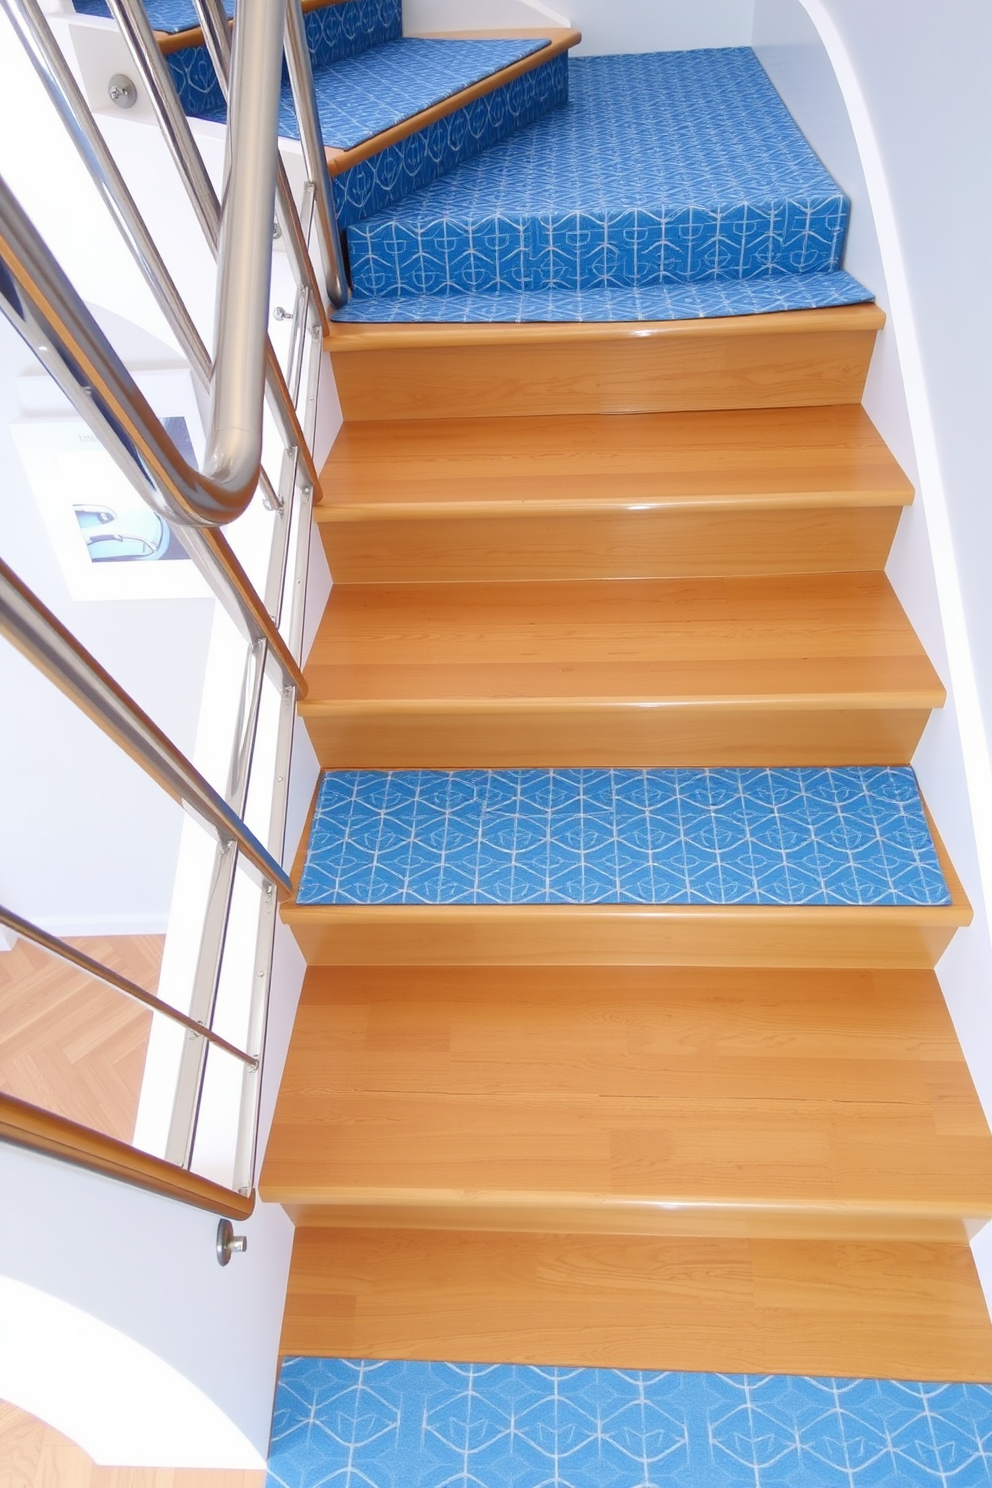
(230, 475)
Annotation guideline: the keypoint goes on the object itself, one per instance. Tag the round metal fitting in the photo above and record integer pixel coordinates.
(122, 91)
(228, 1242)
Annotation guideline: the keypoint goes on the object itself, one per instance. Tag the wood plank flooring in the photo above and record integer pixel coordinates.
(797, 490)
(630, 1100)
(70, 1044)
(810, 669)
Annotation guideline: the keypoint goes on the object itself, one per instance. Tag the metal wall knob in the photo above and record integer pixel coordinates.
(228, 1242)
(122, 91)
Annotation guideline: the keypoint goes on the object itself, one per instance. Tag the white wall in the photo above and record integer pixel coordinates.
(894, 97)
(606, 25)
(89, 843)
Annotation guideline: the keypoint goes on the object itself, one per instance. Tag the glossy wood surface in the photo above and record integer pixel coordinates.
(593, 1099)
(819, 669)
(560, 39)
(35, 1455)
(621, 496)
(898, 1309)
(623, 935)
(791, 359)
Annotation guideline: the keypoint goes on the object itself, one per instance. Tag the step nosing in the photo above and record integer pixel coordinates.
(345, 1196)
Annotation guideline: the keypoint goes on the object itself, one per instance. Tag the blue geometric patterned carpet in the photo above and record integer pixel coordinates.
(720, 297)
(165, 15)
(359, 1424)
(361, 96)
(673, 167)
(600, 836)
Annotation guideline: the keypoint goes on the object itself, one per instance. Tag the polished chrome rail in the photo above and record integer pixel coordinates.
(35, 35)
(157, 79)
(73, 956)
(44, 640)
(315, 159)
(42, 305)
(40, 302)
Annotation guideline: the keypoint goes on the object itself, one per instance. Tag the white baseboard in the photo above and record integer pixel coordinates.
(147, 923)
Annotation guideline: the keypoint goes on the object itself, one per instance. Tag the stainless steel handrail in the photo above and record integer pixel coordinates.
(157, 79)
(244, 264)
(42, 305)
(44, 640)
(308, 116)
(72, 956)
(217, 40)
(35, 35)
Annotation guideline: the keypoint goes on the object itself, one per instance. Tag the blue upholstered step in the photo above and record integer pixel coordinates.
(599, 836)
(718, 298)
(169, 16)
(383, 1424)
(676, 167)
(412, 163)
(334, 31)
(361, 96)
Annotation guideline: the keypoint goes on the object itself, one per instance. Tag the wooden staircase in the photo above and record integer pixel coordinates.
(687, 1137)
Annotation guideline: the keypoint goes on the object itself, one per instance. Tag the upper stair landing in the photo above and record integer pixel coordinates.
(668, 168)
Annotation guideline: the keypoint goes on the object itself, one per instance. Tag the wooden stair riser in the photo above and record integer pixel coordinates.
(598, 935)
(912, 1311)
(634, 544)
(436, 736)
(795, 359)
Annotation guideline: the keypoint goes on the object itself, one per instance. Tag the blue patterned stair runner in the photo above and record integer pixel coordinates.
(843, 835)
(364, 95)
(420, 1425)
(369, 78)
(665, 169)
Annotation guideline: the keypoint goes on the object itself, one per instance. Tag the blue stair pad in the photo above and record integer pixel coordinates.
(421, 1425)
(719, 297)
(170, 16)
(843, 835)
(362, 96)
(678, 167)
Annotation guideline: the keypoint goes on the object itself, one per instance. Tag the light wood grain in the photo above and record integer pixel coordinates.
(903, 1310)
(622, 496)
(661, 1102)
(35, 1455)
(70, 1044)
(560, 39)
(608, 935)
(792, 359)
(817, 669)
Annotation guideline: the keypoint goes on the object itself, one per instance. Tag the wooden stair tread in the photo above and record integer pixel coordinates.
(906, 1310)
(776, 458)
(483, 1098)
(560, 39)
(796, 639)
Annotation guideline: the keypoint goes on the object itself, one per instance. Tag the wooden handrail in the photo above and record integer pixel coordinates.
(42, 1131)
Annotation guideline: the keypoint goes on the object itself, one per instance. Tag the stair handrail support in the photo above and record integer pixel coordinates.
(43, 306)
